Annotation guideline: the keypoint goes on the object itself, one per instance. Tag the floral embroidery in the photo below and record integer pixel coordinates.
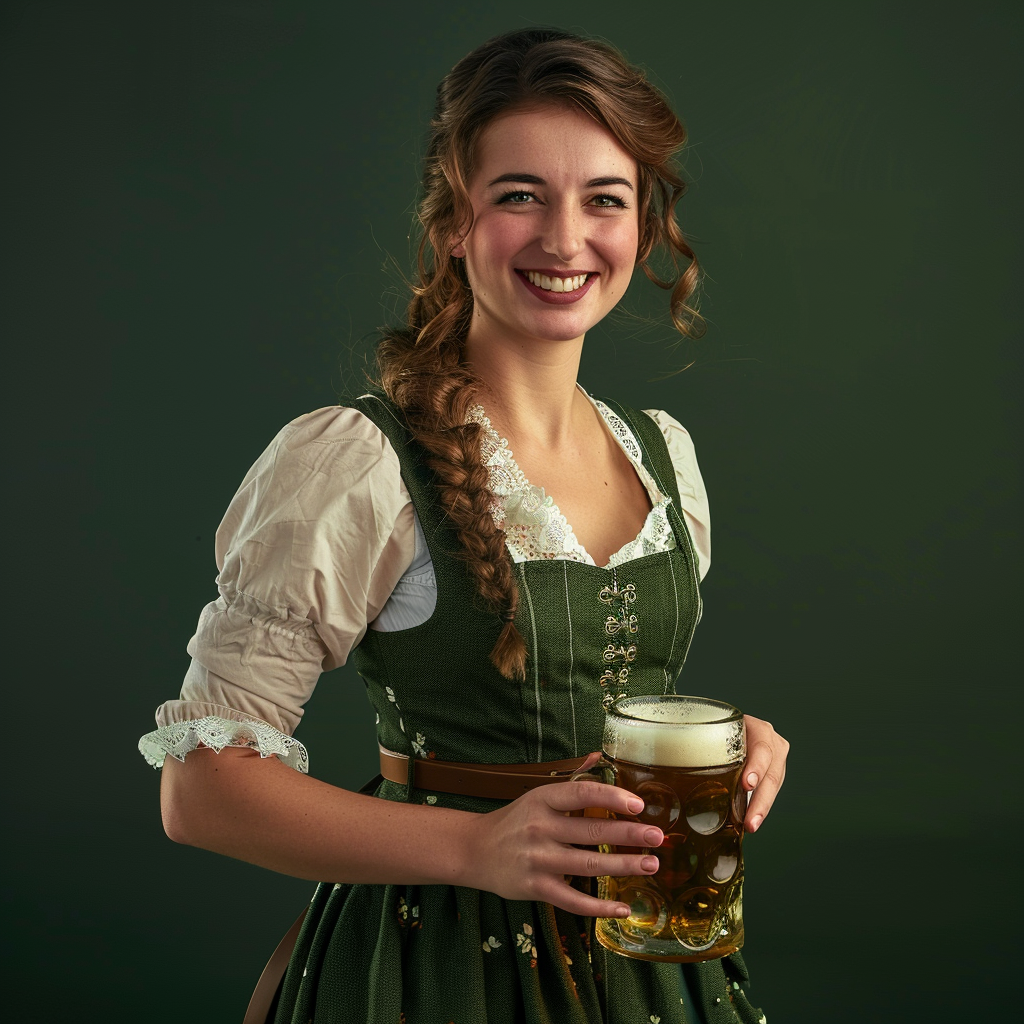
(526, 945)
(568, 963)
(491, 943)
(419, 745)
(394, 700)
(408, 917)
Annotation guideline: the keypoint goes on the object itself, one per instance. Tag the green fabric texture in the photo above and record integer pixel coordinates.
(438, 954)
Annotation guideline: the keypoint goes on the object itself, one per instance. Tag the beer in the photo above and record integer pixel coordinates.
(683, 757)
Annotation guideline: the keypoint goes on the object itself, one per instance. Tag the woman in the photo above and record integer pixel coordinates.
(402, 529)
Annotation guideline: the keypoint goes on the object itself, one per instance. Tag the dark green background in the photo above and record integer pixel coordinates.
(206, 214)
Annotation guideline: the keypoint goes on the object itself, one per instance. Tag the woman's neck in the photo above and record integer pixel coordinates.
(530, 395)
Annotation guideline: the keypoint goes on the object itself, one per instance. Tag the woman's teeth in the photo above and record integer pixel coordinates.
(556, 284)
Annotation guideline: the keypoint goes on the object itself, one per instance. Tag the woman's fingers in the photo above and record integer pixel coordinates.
(763, 797)
(564, 896)
(591, 863)
(764, 771)
(607, 831)
(577, 796)
(529, 847)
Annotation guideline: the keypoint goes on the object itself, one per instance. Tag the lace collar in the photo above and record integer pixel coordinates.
(536, 529)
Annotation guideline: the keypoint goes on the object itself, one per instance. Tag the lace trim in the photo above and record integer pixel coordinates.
(656, 535)
(180, 738)
(622, 434)
(535, 528)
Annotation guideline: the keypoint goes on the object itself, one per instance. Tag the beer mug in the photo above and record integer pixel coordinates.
(683, 757)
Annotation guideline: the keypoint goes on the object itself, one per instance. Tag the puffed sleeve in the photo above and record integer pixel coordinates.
(311, 546)
(693, 498)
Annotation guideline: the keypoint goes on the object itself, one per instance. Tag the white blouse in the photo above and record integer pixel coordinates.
(321, 542)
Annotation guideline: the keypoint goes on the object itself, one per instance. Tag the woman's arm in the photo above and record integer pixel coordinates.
(259, 810)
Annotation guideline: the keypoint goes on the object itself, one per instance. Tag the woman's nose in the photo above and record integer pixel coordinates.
(564, 233)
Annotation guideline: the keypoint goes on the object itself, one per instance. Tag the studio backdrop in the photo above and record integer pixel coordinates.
(209, 210)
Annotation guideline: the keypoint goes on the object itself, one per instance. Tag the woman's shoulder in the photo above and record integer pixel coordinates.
(335, 441)
(333, 429)
(320, 469)
(676, 435)
(693, 495)
(682, 453)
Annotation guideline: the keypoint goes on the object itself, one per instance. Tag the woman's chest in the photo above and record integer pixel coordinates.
(597, 492)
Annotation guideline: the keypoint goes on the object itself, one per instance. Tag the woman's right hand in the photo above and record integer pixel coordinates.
(526, 849)
(261, 811)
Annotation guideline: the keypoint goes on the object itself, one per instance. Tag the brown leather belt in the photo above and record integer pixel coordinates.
(497, 781)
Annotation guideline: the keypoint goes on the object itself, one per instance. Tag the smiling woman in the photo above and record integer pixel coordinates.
(472, 589)
(555, 232)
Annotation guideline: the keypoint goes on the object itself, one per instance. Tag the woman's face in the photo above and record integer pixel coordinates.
(555, 230)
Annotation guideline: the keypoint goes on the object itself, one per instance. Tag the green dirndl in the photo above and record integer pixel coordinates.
(440, 954)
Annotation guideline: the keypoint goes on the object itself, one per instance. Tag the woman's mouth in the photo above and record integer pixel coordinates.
(555, 284)
(554, 288)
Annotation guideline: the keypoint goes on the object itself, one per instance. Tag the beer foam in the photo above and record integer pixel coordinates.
(677, 732)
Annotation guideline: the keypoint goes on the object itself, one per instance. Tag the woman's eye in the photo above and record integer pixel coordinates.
(609, 202)
(517, 198)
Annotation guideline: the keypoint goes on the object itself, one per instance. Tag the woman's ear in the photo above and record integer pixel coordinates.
(458, 250)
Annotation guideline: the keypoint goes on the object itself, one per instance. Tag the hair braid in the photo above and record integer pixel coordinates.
(422, 373)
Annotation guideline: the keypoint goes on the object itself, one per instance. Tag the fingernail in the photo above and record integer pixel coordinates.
(653, 837)
(622, 910)
(635, 805)
(649, 863)
(755, 822)
(752, 780)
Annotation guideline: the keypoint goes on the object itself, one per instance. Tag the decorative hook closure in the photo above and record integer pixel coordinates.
(613, 653)
(613, 625)
(611, 594)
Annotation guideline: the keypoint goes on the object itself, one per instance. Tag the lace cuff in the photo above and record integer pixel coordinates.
(179, 738)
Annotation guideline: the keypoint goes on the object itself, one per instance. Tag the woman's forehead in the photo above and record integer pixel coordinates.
(550, 139)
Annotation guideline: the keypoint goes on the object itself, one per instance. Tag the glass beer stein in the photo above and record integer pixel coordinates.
(683, 757)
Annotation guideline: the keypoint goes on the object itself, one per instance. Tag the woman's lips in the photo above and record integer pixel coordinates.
(553, 297)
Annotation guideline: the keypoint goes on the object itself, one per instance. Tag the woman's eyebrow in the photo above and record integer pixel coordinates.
(601, 182)
(533, 179)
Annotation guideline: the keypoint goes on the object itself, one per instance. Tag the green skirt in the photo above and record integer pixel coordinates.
(440, 954)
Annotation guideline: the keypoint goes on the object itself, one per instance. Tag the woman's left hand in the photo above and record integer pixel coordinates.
(764, 771)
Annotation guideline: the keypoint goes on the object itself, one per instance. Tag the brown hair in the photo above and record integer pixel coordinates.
(420, 367)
